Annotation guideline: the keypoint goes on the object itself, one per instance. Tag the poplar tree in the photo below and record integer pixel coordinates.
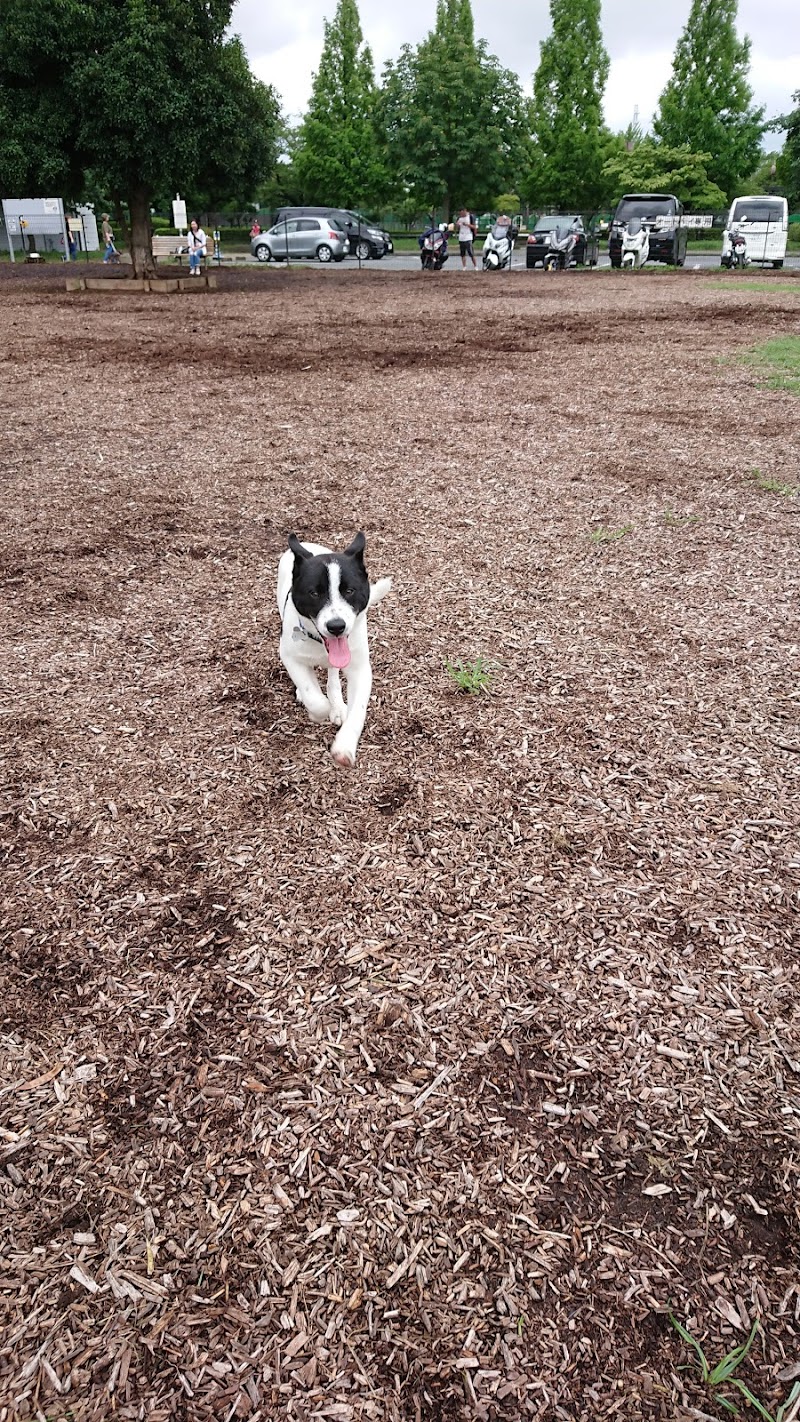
(339, 158)
(568, 92)
(707, 103)
(454, 117)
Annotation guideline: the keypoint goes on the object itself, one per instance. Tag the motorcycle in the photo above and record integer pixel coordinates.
(734, 249)
(561, 246)
(433, 248)
(498, 248)
(635, 243)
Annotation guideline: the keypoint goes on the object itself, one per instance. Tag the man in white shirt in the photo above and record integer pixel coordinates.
(466, 232)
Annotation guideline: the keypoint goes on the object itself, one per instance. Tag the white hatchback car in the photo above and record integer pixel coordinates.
(316, 237)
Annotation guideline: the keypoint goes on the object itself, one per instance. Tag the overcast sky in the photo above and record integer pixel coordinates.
(284, 41)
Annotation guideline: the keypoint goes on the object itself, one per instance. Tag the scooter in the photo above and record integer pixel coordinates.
(561, 247)
(433, 248)
(635, 244)
(734, 249)
(498, 249)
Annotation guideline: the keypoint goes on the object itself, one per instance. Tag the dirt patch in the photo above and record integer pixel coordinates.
(421, 1092)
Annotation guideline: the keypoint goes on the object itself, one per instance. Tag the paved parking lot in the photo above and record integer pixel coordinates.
(409, 261)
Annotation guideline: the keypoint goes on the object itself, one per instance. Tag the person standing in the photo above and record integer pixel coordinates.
(466, 235)
(110, 254)
(196, 238)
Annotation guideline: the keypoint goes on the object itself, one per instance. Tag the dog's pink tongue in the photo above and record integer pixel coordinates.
(338, 651)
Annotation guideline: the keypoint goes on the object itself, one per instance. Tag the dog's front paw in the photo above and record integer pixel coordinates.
(343, 754)
(320, 714)
(337, 715)
(320, 711)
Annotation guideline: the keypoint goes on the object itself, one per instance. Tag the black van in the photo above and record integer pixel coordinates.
(667, 239)
(366, 240)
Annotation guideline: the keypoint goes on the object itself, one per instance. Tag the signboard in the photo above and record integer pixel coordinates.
(91, 240)
(179, 213)
(33, 218)
(669, 222)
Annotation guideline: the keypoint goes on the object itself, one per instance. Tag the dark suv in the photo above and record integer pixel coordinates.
(538, 244)
(661, 213)
(366, 240)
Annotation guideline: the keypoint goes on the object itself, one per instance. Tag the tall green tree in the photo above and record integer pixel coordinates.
(454, 118)
(144, 95)
(708, 102)
(568, 92)
(788, 163)
(340, 158)
(651, 167)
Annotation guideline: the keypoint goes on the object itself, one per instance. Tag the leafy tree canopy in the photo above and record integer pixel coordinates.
(653, 167)
(147, 95)
(707, 103)
(454, 118)
(339, 158)
(789, 161)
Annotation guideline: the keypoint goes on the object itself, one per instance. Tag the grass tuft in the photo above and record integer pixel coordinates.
(609, 535)
(673, 520)
(723, 1374)
(773, 486)
(470, 677)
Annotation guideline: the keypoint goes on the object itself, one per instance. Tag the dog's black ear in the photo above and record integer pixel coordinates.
(297, 547)
(356, 549)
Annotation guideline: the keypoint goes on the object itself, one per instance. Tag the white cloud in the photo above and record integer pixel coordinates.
(635, 81)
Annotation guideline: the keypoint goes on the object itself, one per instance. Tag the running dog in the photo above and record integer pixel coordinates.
(322, 600)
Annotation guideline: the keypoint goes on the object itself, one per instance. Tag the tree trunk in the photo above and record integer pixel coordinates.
(141, 233)
(120, 218)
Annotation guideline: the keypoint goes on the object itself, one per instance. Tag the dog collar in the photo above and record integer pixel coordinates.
(300, 631)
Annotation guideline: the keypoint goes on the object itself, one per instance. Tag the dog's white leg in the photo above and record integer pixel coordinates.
(308, 689)
(338, 708)
(359, 688)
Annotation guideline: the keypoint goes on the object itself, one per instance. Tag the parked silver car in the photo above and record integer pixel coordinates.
(319, 237)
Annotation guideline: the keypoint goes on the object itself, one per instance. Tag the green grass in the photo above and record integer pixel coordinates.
(773, 486)
(609, 535)
(673, 520)
(783, 284)
(722, 1374)
(470, 677)
(778, 363)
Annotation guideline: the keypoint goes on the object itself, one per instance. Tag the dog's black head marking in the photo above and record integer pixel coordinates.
(315, 587)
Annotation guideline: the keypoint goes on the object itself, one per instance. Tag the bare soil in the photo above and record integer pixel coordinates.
(423, 1091)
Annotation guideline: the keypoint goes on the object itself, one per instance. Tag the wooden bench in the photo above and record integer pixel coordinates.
(166, 247)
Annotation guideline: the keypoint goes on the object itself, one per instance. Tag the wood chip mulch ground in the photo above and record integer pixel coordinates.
(424, 1091)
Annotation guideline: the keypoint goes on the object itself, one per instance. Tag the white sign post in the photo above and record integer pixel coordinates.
(179, 213)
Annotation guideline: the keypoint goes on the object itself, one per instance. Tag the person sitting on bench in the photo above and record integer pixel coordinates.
(197, 246)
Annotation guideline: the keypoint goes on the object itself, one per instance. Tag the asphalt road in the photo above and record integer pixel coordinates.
(409, 261)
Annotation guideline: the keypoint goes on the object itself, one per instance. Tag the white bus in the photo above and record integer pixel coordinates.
(764, 223)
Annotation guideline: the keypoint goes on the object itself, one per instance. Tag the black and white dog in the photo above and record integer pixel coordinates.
(323, 599)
